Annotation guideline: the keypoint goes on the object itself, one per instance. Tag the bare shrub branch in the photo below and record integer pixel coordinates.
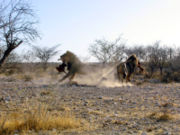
(107, 51)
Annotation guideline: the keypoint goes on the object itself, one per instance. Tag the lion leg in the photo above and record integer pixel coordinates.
(124, 75)
(67, 75)
(128, 77)
(71, 82)
(72, 76)
(119, 76)
(140, 67)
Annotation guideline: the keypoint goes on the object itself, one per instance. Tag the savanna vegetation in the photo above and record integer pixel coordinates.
(33, 101)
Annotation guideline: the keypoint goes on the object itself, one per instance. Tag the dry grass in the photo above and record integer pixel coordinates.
(161, 116)
(26, 78)
(119, 122)
(164, 117)
(45, 93)
(96, 112)
(36, 120)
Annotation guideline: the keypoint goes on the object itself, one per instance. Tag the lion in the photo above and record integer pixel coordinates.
(127, 68)
(72, 63)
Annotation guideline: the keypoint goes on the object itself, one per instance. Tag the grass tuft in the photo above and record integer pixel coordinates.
(164, 117)
(37, 119)
(161, 116)
(26, 77)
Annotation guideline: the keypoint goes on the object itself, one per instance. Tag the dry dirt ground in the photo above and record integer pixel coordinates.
(144, 109)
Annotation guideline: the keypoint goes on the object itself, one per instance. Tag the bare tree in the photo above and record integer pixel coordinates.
(174, 58)
(17, 25)
(139, 50)
(44, 54)
(28, 56)
(13, 58)
(157, 57)
(152, 52)
(106, 51)
(163, 59)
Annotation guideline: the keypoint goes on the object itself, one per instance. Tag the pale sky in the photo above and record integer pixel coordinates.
(75, 24)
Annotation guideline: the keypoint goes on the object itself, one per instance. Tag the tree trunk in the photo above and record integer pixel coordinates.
(5, 56)
(152, 71)
(161, 71)
(10, 48)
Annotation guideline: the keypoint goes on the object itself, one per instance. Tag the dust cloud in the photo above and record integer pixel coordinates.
(100, 76)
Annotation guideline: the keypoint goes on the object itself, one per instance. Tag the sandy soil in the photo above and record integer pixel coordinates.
(104, 110)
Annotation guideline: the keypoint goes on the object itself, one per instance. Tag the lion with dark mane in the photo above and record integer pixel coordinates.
(127, 68)
(72, 63)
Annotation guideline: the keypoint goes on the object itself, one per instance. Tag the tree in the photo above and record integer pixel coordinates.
(157, 57)
(107, 51)
(171, 53)
(44, 54)
(152, 52)
(17, 25)
(28, 56)
(139, 50)
(163, 59)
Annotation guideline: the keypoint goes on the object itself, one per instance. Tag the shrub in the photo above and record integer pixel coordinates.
(170, 76)
(27, 78)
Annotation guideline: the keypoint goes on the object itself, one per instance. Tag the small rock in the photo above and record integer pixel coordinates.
(85, 103)
(143, 133)
(154, 81)
(100, 97)
(7, 99)
(166, 133)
